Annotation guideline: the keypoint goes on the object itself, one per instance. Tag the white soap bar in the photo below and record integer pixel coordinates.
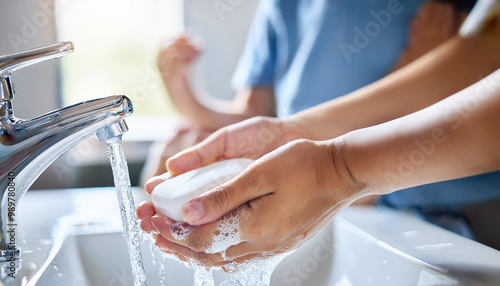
(169, 196)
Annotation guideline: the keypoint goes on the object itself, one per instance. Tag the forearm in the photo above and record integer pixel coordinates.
(454, 138)
(186, 102)
(214, 113)
(444, 71)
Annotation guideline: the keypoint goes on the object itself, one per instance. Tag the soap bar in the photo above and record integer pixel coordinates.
(169, 196)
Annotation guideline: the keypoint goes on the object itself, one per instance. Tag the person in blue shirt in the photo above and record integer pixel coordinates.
(303, 53)
(296, 186)
(299, 54)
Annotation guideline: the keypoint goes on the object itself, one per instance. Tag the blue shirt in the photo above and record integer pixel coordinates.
(312, 51)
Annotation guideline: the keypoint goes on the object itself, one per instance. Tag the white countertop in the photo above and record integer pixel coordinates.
(363, 246)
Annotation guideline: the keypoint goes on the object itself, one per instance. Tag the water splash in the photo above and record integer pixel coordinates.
(253, 272)
(131, 229)
(157, 260)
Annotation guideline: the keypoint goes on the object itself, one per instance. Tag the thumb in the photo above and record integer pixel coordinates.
(216, 203)
(200, 155)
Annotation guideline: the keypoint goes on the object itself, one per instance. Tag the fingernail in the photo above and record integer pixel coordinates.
(169, 220)
(156, 221)
(154, 225)
(193, 211)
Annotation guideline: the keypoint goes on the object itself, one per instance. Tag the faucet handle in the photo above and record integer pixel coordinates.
(11, 63)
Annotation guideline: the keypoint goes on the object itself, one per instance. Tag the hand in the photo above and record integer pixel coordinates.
(184, 136)
(176, 58)
(251, 139)
(284, 198)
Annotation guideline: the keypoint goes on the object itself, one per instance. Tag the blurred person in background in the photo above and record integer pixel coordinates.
(302, 53)
(296, 186)
(292, 62)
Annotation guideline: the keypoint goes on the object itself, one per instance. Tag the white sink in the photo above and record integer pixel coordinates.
(364, 246)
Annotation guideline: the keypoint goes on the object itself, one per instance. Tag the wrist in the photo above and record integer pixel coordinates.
(175, 81)
(345, 184)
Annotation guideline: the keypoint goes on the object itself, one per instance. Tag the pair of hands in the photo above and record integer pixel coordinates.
(287, 195)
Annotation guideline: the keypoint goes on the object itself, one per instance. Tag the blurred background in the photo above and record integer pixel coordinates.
(116, 45)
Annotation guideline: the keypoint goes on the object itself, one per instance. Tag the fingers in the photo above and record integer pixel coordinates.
(210, 259)
(250, 185)
(155, 181)
(168, 251)
(145, 209)
(207, 152)
(446, 19)
(437, 18)
(144, 212)
(147, 227)
(196, 238)
(207, 259)
(239, 260)
(192, 248)
(176, 56)
(216, 236)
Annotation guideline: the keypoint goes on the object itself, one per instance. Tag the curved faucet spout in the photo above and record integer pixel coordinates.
(28, 147)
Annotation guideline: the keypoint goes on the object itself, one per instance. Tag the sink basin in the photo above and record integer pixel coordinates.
(102, 259)
(363, 246)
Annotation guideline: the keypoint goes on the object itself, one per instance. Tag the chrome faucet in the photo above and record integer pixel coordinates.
(478, 18)
(28, 147)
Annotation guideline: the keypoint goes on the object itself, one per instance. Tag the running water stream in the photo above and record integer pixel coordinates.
(256, 272)
(131, 229)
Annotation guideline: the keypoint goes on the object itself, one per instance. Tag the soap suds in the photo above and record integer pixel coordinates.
(254, 272)
(226, 234)
(181, 230)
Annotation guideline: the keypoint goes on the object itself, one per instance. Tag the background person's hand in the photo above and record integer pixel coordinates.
(282, 199)
(176, 58)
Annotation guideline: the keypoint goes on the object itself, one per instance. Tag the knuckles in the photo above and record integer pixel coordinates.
(220, 199)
